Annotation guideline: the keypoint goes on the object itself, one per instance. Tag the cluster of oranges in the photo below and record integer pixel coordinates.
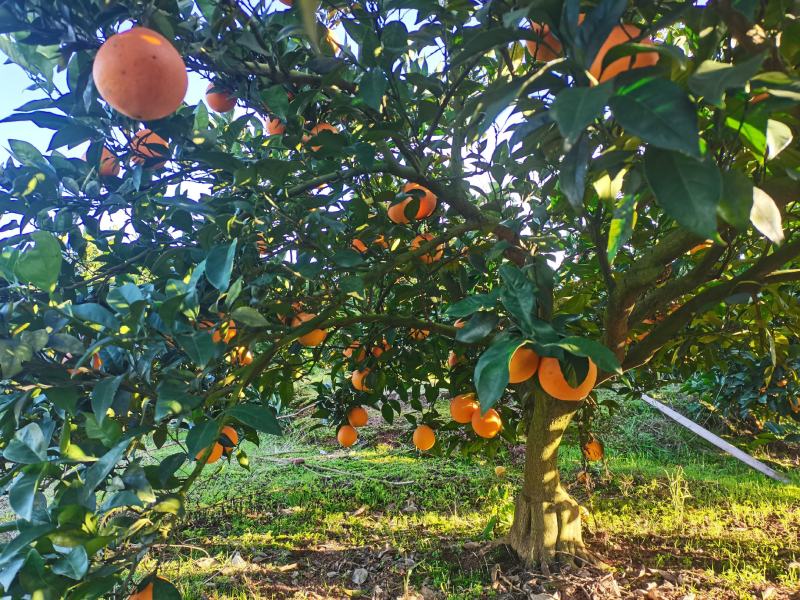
(348, 434)
(465, 408)
(548, 47)
(525, 363)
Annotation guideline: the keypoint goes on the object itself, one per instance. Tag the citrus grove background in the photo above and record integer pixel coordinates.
(471, 229)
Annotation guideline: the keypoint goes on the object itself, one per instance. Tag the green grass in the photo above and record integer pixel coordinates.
(665, 501)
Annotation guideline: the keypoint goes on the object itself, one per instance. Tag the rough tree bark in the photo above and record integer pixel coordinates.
(547, 523)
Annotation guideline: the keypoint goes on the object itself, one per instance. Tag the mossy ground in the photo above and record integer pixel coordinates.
(669, 514)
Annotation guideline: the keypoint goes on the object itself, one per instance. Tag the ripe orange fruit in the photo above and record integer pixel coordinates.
(355, 345)
(347, 435)
(621, 34)
(547, 47)
(357, 416)
(318, 129)
(593, 449)
(381, 241)
(358, 379)
(224, 333)
(216, 453)
(552, 380)
(275, 127)
(228, 439)
(109, 165)
(459, 324)
(220, 102)
(314, 337)
(486, 425)
(419, 334)
(429, 257)
(427, 204)
(97, 362)
(463, 406)
(523, 365)
(358, 245)
(452, 359)
(242, 356)
(147, 147)
(145, 593)
(424, 438)
(140, 74)
(377, 351)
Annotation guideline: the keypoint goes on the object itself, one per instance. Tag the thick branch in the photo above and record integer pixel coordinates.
(764, 272)
(644, 272)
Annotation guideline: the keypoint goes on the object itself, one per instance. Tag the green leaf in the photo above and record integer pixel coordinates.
(66, 343)
(65, 398)
(173, 398)
(28, 446)
(766, 216)
(572, 179)
(122, 298)
(22, 492)
(103, 396)
(579, 346)
(249, 316)
(518, 296)
(277, 101)
(491, 372)
(737, 199)
(394, 39)
(199, 347)
(372, 87)
(622, 224)
(347, 258)
(575, 107)
(256, 416)
(219, 265)
(94, 313)
(472, 304)
(201, 436)
(712, 79)
(95, 474)
(74, 564)
(477, 328)
(659, 112)
(40, 265)
(165, 590)
(688, 190)
(27, 154)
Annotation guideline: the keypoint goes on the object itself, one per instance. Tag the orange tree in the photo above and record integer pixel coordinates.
(524, 183)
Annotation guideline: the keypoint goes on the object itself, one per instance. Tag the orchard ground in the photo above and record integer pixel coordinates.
(672, 517)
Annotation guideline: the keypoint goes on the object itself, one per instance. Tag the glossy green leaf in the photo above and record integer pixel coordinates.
(687, 189)
(660, 113)
(575, 107)
(766, 217)
(256, 416)
(103, 396)
(491, 371)
(219, 265)
(478, 327)
(249, 316)
(41, 264)
(712, 79)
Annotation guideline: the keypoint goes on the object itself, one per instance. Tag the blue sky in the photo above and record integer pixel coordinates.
(15, 82)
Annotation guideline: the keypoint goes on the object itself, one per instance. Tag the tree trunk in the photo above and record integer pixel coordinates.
(547, 523)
